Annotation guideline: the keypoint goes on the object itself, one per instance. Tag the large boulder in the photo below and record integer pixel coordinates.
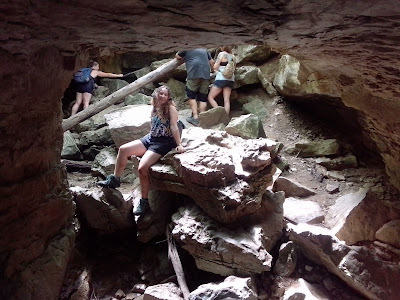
(298, 79)
(246, 75)
(70, 150)
(301, 211)
(231, 288)
(213, 117)
(356, 216)
(105, 211)
(240, 248)
(252, 53)
(292, 188)
(225, 175)
(129, 123)
(154, 222)
(104, 164)
(165, 291)
(390, 233)
(99, 136)
(178, 93)
(219, 249)
(256, 107)
(246, 126)
(317, 148)
(137, 99)
(358, 266)
(95, 122)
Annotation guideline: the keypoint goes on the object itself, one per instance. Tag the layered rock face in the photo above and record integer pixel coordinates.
(350, 47)
(37, 233)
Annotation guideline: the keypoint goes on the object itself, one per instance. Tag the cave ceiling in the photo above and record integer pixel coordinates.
(361, 35)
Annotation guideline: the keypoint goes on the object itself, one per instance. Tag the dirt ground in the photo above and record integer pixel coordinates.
(288, 125)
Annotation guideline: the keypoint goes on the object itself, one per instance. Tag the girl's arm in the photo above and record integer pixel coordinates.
(111, 75)
(217, 63)
(173, 117)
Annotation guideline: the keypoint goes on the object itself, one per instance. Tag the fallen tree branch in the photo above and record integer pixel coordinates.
(176, 263)
(118, 95)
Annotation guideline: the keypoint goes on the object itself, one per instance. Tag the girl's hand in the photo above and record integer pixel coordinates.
(180, 148)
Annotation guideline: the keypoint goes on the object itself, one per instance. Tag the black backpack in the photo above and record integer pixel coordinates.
(83, 75)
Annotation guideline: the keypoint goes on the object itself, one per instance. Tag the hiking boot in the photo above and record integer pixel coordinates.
(193, 121)
(141, 208)
(110, 182)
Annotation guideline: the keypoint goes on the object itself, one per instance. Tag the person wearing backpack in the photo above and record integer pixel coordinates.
(225, 67)
(84, 82)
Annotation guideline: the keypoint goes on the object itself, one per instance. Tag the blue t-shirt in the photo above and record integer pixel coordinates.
(197, 63)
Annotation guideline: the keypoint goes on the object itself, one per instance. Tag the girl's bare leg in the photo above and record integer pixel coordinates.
(226, 92)
(77, 104)
(86, 100)
(148, 159)
(212, 94)
(125, 151)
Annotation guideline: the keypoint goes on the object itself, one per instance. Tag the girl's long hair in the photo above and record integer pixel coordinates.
(93, 63)
(227, 48)
(164, 109)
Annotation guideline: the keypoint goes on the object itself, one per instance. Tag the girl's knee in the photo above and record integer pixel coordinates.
(123, 151)
(143, 170)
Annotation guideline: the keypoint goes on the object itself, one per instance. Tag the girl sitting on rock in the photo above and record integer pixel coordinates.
(164, 136)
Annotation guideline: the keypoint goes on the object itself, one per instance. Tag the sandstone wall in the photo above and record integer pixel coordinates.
(42, 40)
(36, 208)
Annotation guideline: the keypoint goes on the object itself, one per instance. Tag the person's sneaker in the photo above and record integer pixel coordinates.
(141, 208)
(193, 121)
(110, 182)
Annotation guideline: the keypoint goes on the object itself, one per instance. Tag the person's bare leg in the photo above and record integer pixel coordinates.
(77, 104)
(148, 159)
(125, 151)
(202, 106)
(226, 92)
(193, 107)
(86, 100)
(213, 93)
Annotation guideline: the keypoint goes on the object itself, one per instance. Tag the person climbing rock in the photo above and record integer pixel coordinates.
(85, 85)
(198, 64)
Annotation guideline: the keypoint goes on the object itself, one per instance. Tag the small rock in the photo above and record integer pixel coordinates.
(292, 188)
(308, 268)
(335, 175)
(131, 296)
(139, 288)
(332, 188)
(119, 294)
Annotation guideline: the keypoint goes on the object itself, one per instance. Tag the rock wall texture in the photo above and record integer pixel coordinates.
(353, 44)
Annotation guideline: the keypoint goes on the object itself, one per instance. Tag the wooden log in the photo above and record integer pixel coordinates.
(121, 93)
(176, 263)
(80, 166)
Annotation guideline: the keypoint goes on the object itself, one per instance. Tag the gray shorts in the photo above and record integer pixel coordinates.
(197, 89)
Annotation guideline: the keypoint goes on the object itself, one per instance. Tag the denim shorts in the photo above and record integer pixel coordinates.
(223, 83)
(160, 145)
(197, 89)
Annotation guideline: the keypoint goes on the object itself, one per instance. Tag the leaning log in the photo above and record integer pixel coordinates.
(177, 265)
(121, 93)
